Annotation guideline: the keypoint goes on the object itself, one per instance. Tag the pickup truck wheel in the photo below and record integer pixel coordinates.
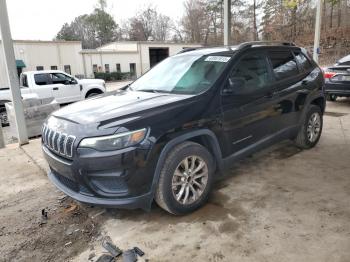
(311, 129)
(3, 117)
(185, 179)
(332, 98)
(92, 94)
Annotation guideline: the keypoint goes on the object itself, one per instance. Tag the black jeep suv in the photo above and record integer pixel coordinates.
(171, 133)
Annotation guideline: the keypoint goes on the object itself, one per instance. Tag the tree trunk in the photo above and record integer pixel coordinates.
(256, 36)
(339, 13)
(294, 23)
(331, 16)
(324, 18)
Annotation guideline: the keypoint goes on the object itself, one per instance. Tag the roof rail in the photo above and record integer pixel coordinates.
(188, 49)
(249, 44)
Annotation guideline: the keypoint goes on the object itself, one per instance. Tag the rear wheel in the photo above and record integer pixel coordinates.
(332, 97)
(311, 129)
(186, 179)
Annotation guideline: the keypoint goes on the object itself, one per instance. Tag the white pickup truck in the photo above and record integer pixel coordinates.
(53, 83)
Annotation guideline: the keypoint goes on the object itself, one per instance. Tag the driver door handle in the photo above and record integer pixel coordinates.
(55, 88)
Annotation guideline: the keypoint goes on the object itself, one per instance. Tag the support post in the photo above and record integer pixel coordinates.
(317, 30)
(2, 141)
(12, 77)
(227, 22)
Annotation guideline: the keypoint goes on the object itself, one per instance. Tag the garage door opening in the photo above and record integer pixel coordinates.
(157, 54)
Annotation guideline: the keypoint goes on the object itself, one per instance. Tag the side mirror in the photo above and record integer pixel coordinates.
(235, 85)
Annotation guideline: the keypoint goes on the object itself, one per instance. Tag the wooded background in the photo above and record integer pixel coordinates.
(202, 22)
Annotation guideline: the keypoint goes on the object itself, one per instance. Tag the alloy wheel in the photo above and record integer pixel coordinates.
(189, 180)
(314, 127)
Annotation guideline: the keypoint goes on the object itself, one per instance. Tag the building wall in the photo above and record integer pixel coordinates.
(126, 53)
(46, 54)
(110, 58)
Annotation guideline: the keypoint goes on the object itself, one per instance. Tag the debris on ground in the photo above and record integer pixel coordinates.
(129, 256)
(139, 251)
(44, 217)
(44, 213)
(98, 214)
(70, 208)
(62, 198)
(111, 248)
(105, 258)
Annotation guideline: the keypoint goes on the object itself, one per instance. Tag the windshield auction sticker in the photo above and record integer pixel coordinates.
(222, 59)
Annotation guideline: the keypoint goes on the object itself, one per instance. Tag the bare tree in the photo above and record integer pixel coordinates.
(148, 23)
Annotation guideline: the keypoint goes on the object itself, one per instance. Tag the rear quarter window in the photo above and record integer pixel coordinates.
(303, 62)
(283, 64)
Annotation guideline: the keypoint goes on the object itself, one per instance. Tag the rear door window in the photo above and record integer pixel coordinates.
(304, 63)
(42, 79)
(283, 64)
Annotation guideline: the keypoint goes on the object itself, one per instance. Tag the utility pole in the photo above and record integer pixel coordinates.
(12, 77)
(227, 22)
(317, 30)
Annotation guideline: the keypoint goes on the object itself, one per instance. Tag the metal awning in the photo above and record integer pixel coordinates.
(20, 64)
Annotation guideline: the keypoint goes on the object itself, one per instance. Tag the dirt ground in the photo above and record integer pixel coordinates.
(281, 204)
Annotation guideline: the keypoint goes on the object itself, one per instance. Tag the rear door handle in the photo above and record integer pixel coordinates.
(55, 88)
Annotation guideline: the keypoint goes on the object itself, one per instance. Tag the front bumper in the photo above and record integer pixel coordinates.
(143, 201)
(121, 179)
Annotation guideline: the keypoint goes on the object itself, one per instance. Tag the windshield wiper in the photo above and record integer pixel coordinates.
(151, 91)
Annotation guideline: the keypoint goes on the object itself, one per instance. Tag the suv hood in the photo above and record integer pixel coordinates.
(111, 107)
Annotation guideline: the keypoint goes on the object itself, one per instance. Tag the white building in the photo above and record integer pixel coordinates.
(138, 56)
(128, 56)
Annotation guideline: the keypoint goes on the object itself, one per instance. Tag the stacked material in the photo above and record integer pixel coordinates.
(35, 112)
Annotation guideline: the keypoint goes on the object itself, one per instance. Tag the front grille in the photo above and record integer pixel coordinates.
(58, 142)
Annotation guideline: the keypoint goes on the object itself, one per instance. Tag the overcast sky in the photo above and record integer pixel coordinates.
(42, 19)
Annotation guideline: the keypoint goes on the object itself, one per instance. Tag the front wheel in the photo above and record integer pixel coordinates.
(92, 95)
(185, 179)
(311, 129)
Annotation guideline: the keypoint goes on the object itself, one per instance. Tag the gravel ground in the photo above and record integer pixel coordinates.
(281, 204)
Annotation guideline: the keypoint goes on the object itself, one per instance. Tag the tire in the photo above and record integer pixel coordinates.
(3, 117)
(332, 98)
(173, 179)
(92, 95)
(310, 131)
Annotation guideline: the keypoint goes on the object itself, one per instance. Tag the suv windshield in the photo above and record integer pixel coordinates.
(182, 74)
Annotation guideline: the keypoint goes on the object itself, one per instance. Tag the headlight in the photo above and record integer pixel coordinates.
(114, 142)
